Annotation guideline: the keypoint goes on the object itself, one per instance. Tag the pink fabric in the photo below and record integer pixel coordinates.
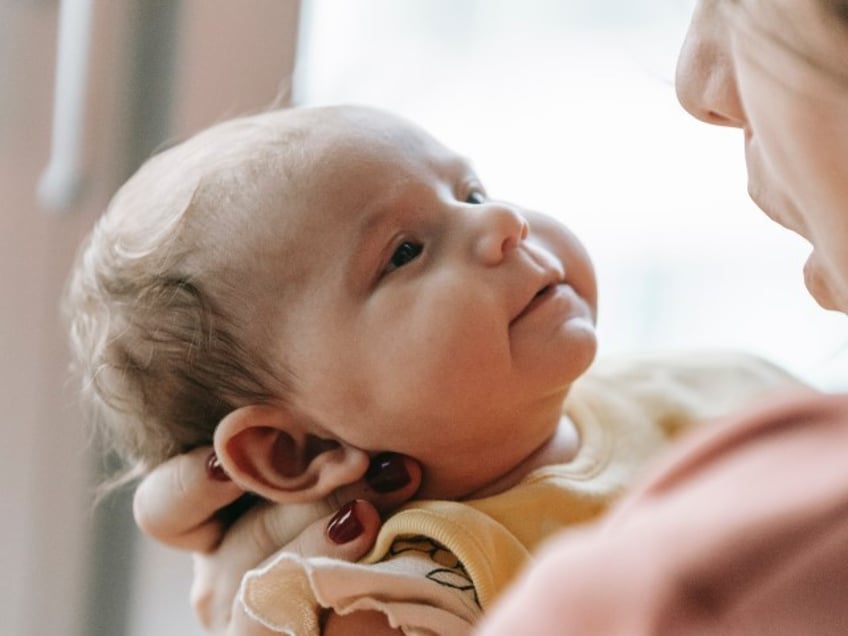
(743, 529)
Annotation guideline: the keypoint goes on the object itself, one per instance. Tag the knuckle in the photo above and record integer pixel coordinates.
(297, 545)
(285, 523)
(261, 534)
(278, 532)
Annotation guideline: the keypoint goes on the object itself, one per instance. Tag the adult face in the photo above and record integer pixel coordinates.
(778, 70)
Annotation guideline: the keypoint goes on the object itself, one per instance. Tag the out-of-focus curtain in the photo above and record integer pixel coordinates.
(155, 70)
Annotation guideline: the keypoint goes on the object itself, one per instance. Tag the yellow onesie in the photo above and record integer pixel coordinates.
(437, 565)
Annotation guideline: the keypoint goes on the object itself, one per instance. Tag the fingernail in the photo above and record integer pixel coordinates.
(387, 473)
(214, 470)
(345, 526)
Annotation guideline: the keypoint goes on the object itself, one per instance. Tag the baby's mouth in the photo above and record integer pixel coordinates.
(537, 299)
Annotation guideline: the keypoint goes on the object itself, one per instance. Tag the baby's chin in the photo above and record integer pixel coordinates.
(822, 287)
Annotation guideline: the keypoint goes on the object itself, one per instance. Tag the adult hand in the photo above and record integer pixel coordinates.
(189, 503)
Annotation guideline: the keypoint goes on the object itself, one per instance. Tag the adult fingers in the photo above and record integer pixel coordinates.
(391, 480)
(182, 502)
(252, 538)
(185, 504)
(266, 528)
(346, 534)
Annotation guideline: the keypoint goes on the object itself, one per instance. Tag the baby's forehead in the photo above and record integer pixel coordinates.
(263, 165)
(373, 134)
(310, 141)
(350, 152)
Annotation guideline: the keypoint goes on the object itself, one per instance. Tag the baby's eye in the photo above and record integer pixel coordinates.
(475, 197)
(405, 253)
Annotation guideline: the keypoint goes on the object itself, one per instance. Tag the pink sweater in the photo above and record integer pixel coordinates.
(743, 529)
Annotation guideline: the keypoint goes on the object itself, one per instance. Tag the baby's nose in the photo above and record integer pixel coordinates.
(501, 229)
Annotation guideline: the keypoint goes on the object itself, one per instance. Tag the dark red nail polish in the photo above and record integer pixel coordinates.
(387, 473)
(214, 470)
(345, 526)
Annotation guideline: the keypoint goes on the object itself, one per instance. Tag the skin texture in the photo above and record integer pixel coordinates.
(778, 70)
(173, 505)
(420, 317)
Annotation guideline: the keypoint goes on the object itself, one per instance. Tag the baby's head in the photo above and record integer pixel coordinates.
(310, 287)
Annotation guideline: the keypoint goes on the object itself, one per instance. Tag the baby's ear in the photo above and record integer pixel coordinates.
(268, 451)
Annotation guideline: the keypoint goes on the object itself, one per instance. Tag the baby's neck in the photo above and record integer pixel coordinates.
(561, 447)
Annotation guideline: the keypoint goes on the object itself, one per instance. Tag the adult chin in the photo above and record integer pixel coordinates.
(822, 287)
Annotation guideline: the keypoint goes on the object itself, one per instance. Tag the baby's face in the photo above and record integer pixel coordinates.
(423, 317)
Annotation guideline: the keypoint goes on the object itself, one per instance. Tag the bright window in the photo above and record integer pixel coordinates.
(569, 107)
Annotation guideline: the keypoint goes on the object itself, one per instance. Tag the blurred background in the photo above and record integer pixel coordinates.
(566, 106)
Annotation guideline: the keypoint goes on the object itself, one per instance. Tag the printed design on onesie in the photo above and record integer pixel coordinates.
(448, 571)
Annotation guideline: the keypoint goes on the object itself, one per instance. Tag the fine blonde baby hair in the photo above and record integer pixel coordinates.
(160, 322)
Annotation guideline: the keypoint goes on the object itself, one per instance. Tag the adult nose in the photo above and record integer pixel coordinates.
(499, 229)
(706, 80)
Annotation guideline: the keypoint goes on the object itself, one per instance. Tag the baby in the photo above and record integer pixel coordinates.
(310, 287)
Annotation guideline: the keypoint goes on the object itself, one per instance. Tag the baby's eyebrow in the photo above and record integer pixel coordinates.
(374, 219)
(451, 171)
(366, 232)
(463, 165)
